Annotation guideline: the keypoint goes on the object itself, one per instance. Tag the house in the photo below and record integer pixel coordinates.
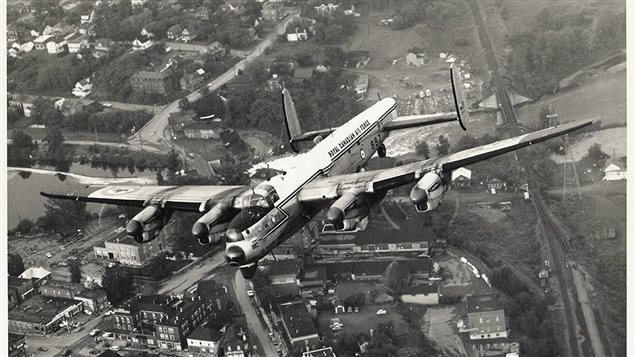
(191, 81)
(152, 83)
(125, 250)
(13, 52)
(77, 42)
(83, 88)
(425, 294)
(202, 13)
(62, 29)
(270, 11)
(56, 46)
(17, 345)
(139, 45)
(415, 57)
(147, 34)
(138, 3)
(357, 58)
(614, 173)
(38, 275)
(87, 18)
(12, 35)
(188, 34)
(321, 352)
(274, 83)
(94, 300)
(27, 47)
(461, 177)
(61, 289)
(495, 184)
(86, 29)
(24, 103)
(486, 319)
(237, 340)
(215, 49)
(326, 9)
(361, 83)
(284, 272)
(201, 131)
(102, 47)
(313, 281)
(298, 36)
(298, 326)
(204, 340)
(41, 41)
(174, 32)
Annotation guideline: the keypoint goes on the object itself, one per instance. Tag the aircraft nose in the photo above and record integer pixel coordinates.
(235, 255)
(233, 235)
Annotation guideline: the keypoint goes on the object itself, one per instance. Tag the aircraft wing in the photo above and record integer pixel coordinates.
(179, 198)
(328, 188)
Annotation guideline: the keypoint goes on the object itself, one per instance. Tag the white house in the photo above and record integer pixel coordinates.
(298, 36)
(87, 18)
(204, 340)
(421, 294)
(56, 46)
(76, 43)
(138, 45)
(27, 47)
(40, 42)
(83, 88)
(461, 177)
(614, 173)
(146, 33)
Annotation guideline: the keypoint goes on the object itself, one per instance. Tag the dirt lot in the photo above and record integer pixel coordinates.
(458, 278)
(442, 330)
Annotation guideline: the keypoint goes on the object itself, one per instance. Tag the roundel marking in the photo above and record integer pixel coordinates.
(362, 153)
(120, 190)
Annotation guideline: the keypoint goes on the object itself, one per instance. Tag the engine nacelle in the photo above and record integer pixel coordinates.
(349, 211)
(147, 224)
(210, 228)
(428, 193)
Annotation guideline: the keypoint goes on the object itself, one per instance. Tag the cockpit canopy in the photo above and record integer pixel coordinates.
(256, 206)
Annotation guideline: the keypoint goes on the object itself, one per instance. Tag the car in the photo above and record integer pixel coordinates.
(88, 312)
(94, 332)
(42, 348)
(106, 105)
(108, 313)
(114, 348)
(250, 292)
(381, 312)
(336, 328)
(49, 255)
(122, 216)
(74, 251)
(62, 264)
(108, 335)
(62, 248)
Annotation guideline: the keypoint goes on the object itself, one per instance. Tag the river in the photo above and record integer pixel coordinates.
(24, 200)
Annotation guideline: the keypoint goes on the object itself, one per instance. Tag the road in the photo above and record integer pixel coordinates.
(188, 277)
(255, 326)
(57, 344)
(114, 105)
(154, 132)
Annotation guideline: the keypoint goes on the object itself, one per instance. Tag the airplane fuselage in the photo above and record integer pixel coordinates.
(346, 150)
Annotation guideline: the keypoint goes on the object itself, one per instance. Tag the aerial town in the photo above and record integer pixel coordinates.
(187, 92)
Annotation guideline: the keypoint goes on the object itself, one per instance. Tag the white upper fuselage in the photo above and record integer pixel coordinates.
(346, 150)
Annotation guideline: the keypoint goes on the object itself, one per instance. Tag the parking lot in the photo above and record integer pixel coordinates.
(362, 321)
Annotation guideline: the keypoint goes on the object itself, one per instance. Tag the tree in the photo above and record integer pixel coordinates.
(55, 141)
(542, 116)
(63, 216)
(596, 155)
(466, 142)
(423, 149)
(25, 226)
(15, 264)
(118, 282)
(19, 151)
(76, 272)
(443, 147)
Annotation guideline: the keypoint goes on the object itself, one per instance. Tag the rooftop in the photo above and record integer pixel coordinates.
(303, 72)
(205, 334)
(38, 310)
(35, 273)
(284, 267)
(15, 281)
(410, 231)
(297, 320)
(151, 75)
(314, 274)
(477, 303)
(421, 289)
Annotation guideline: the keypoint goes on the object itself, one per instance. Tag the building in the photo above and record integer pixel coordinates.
(102, 47)
(361, 83)
(415, 59)
(147, 34)
(326, 9)
(426, 294)
(174, 32)
(237, 341)
(188, 34)
(486, 319)
(41, 315)
(203, 13)
(61, 289)
(83, 88)
(614, 173)
(19, 289)
(62, 29)
(204, 340)
(138, 45)
(87, 18)
(201, 131)
(41, 41)
(495, 184)
(27, 47)
(274, 83)
(38, 275)
(284, 272)
(152, 83)
(56, 46)
(94, 300)
(138, 3)
(191, 81)
(461, 177)
(77, 42)
(313, 281)
(321, 352)
(125, 250)
(299, 327)
(270, 11)
(419, 268)
(17, 345)
(302, 73)
(298, 36)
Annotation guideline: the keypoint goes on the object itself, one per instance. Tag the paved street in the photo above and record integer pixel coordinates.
(114, 105)
(57, 344)
(154, 131)
(255, 326)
